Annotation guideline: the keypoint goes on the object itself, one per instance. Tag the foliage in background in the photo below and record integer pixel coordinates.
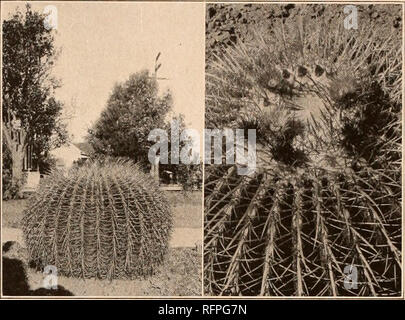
(133, 110)
(28, 89)
(326, 104)
(189, 176)
(102, 220)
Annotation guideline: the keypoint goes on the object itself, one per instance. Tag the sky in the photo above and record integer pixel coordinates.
(103, 43)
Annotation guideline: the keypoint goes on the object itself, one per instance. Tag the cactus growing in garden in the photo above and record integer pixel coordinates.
(104, 220)
(323, 208)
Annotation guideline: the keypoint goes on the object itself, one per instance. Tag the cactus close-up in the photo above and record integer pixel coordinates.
(321, 215)
(102, 220)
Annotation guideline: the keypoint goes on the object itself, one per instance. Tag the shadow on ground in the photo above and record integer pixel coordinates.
(15, 280)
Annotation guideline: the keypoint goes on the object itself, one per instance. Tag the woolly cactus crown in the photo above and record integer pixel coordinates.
(104, 219)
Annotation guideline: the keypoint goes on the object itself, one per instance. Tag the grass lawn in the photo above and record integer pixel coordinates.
(187, 210)
(12, 212)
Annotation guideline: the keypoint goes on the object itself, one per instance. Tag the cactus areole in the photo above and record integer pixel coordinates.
(102, 220)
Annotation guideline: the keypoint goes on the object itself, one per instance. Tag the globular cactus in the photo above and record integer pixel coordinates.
(103, 220)
(321, 216)
(301, 233)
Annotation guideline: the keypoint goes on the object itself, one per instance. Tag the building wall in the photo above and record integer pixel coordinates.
(65, 156)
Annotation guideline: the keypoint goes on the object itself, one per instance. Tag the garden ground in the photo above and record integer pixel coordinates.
(180, 275)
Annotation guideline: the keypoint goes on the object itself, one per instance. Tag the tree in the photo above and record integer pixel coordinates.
(133, 110)
(31, 114)
(189, 176)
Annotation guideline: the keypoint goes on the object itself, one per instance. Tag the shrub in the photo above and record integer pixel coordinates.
(104, 220)
(189, 176)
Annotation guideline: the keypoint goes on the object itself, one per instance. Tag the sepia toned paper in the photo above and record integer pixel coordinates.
(202, 150)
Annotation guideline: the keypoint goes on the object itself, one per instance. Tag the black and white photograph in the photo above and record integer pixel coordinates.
(201, 158)
(87, 208)
(320, 85)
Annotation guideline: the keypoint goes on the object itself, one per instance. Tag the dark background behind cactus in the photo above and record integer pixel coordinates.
(226, 24)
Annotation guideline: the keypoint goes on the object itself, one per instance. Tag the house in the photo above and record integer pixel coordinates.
(65, 156)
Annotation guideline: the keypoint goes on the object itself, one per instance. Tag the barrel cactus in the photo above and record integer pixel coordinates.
(321, 215)
(104, 220)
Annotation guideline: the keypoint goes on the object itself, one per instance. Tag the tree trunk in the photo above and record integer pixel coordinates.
(17, 158)
(15, 142)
